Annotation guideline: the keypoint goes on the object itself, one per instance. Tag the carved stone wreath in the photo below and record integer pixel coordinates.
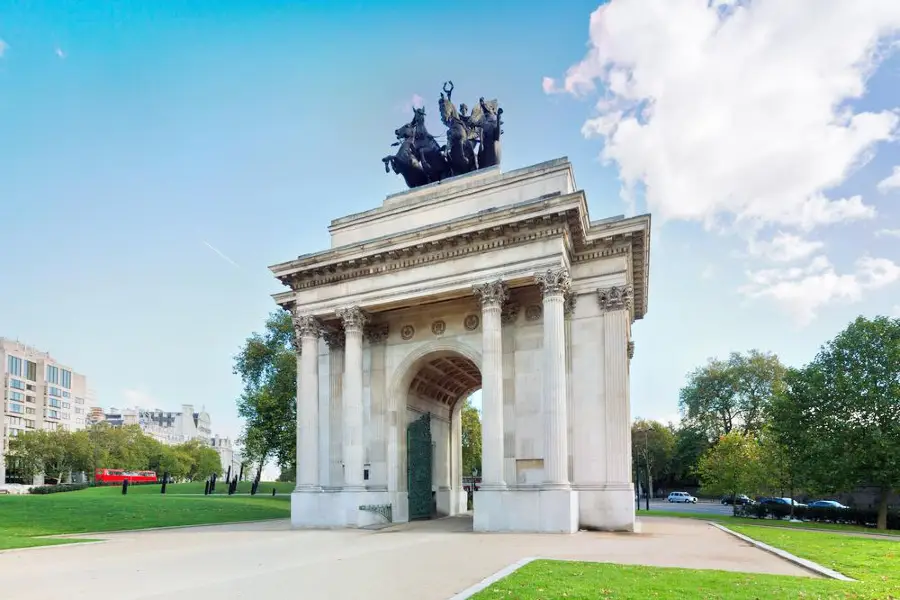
(471, 322)
(407, 332)
(438, 328)
(533, 312)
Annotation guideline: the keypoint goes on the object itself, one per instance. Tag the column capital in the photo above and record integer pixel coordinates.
(376, 333)
(354, 318)
(334, 338)
(491, 293)
(305, 325)
(553, 282)
(617, 297)
(569, 300)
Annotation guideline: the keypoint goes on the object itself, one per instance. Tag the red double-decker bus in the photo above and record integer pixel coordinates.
(111, 476)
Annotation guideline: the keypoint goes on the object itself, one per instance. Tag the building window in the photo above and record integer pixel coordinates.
(66, 405)
(30, 371)
(29, 410)
(29, 399)
(52, 374)
(17, 408)
(17, 396)
(29, 387)
(66, 394)
(79, 411)
(29, 423)
(15, 383)
(54, 391)
(66, 379)
(53, 414)
(79, 400)
(15, 366)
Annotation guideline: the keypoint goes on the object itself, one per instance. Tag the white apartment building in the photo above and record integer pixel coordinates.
(166, 427)
(39, 392)
(228, 455)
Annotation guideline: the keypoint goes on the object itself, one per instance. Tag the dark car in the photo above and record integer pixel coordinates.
(827, 504)
(784, 501)
(740, 499)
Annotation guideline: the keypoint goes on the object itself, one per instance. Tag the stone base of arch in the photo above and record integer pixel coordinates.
(526, 511)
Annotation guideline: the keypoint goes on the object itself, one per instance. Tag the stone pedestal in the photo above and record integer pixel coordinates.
(330, 509)
(610, 508)
(526, 511)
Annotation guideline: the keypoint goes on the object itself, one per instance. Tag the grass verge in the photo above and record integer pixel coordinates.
(196, 488)
(875, 563)
(24, 518)
(728, 521)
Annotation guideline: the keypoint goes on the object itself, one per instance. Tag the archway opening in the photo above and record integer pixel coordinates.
(434, 442)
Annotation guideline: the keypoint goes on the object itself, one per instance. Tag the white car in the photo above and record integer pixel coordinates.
(681, 497)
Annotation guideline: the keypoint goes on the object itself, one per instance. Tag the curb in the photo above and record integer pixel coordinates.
(492, 579)
(801, 562)
(49, 546)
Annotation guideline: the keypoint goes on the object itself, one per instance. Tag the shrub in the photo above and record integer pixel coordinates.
(55, 489)
(864, 517)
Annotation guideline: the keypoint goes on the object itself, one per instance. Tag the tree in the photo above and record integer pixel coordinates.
(733, 466)
(691, 441)
(471, 438)
(733, 394)
(267, 365)
(652, 450)
(844, 410)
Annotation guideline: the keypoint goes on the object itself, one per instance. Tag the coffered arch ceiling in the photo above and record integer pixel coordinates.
(446, 379)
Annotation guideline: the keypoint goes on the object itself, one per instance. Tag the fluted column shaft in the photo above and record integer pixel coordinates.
(615, 302)
(354, 455)
(554, 286)
(492, 296)
(307, 329)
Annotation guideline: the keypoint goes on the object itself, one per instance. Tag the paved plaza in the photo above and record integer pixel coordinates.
(421, 560)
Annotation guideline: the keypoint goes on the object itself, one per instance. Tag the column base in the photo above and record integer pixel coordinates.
(451, 502)
(336, 509)
(606, 507)
(526, 511)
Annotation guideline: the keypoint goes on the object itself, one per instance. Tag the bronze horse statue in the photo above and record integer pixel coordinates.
(419, 158)
(473, 142)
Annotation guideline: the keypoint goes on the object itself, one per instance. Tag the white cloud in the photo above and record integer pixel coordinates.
(784, 247)
(891, 182)
(3, 47)
(890, 232)
(139, 398)
(737, 112)
(802, 291)
(60, 53)
(415, 101)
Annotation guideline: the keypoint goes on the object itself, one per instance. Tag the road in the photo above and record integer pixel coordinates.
(706, 508)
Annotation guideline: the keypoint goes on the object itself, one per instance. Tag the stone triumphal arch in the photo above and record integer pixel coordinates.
(493, 281)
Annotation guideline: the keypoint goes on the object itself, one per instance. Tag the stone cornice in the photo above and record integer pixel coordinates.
(507, 226)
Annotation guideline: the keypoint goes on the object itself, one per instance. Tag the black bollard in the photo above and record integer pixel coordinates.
(212, 484)
(241, 476)
(162, 490)
(206, 488)
(228, 476)
(273, 492)
(124, 487)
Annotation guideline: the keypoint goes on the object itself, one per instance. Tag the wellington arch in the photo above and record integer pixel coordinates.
(492, 280)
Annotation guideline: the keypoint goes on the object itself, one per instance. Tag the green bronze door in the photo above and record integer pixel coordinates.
(418, 467)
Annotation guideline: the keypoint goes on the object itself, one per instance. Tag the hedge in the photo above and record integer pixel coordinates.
(865, 517)
(55, 489)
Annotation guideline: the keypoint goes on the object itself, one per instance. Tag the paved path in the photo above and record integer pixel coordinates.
(424, 561)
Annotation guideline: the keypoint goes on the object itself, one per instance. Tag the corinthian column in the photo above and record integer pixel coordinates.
(554, 287)
(492, 296)
(615, 303)
(354, 455)
(306, 332)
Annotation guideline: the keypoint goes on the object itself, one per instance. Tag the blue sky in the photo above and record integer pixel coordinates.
(156, 157)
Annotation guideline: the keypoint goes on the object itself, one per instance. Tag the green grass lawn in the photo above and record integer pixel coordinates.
(23, 518)
(876, 563)
(740, 521)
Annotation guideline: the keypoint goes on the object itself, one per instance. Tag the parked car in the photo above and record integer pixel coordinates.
(681, 497)
(827, 504)
(739, 499)
(785, 501)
